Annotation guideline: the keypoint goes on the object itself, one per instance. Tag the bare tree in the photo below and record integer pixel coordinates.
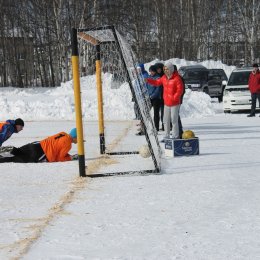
(35, 34)
(249, 12)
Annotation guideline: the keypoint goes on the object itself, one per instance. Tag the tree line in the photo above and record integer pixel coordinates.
(35, 35)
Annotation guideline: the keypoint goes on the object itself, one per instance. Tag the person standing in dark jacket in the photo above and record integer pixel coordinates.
(254, 87)
(159, 70)
(9, 127)
(155, 94)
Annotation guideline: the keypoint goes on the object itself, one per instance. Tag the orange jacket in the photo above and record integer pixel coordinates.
(56, 147)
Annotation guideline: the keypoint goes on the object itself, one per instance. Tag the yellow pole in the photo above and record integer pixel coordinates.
(100, 102)
(77, 96)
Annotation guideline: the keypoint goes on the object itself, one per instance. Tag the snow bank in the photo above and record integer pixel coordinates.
(58, 103)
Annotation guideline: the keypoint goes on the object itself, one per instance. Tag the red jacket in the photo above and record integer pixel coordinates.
(172, 88)
(254, 82)
(56, 147)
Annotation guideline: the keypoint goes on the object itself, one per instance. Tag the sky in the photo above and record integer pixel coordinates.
(204, 206)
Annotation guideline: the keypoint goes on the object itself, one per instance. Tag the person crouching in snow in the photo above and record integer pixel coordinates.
(9, 127)
(52, 149)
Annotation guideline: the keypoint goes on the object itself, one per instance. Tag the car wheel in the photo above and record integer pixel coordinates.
(206, 90)
(220, 99)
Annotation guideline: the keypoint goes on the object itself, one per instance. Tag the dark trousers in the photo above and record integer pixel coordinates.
(162, 112)
(29, 153)
(180, 127)
(156, 104)
(254, 97)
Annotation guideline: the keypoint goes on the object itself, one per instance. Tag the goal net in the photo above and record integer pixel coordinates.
(103, 51)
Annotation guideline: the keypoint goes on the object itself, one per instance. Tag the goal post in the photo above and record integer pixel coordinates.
(77, 96)
(100, 101)
(104, 50)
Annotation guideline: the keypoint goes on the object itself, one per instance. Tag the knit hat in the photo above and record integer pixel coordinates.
(141, 65)
(159, 68)
(159, 65)
(255, 65)
(152, 68)
(73, 133)
(170, 66)
(19, 121)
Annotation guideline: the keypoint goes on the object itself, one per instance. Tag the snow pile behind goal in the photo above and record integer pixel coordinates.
(58, 103)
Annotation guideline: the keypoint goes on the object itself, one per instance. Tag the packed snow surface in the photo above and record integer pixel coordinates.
(199, 207)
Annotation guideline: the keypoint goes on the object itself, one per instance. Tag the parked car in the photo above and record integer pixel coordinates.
(217, 81)
(236, 94)
(199, 78)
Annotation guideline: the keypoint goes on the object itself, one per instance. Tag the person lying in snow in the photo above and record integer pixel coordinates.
(9, 127)
(52, 149)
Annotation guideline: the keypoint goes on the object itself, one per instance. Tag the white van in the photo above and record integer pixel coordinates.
(236, 95)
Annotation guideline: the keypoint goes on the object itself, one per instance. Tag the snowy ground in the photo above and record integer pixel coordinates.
(200, 207)
(203, 207)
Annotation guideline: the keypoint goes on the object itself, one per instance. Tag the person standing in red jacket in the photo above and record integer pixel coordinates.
(172, 91)
(254, 87)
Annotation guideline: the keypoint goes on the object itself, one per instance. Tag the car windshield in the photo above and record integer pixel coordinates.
(239, 78)
(195, 75)
(221, 73)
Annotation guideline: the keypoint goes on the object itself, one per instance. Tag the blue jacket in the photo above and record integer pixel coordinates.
(144, 72)
(6, 130)
(154, 92)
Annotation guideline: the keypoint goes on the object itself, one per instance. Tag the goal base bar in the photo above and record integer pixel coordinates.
(145, 172)
(122, 153)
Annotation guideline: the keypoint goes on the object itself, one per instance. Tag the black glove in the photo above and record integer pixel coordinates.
(74, 157)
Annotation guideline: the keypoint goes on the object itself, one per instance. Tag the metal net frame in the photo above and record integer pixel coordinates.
(108, 45)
